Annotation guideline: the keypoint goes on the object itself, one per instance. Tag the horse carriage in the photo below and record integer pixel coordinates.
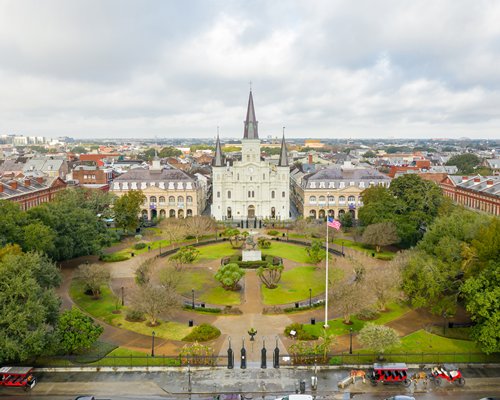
(17, 377)
(448, 373)
(396, 373)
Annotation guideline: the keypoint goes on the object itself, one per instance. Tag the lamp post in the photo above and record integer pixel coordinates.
(350, 340)
(342, 247)
(192, 298)
(123, 302)
(153, 344)
(445, 315)
(310, 298)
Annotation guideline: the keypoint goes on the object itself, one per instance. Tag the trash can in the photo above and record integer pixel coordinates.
(302, 386)
(313, 321)
(202, 305)
(296, 305)
(190, 323)
(132, 254)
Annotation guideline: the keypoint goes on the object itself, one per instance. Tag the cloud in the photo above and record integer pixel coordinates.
(322, 68)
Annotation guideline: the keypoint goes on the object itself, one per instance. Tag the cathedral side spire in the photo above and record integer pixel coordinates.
(251, 123)
(283, 153)
(218, 161)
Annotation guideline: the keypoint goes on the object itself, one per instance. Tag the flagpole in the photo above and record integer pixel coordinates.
(326, 279)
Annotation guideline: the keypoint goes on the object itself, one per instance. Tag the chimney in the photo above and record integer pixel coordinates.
(27, 182)
(489, 183)
(309, 158)
(13, 185)
(464, 178)
(39, 180)
(477, 180)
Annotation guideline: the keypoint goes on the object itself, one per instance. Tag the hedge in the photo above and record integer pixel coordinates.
(202, 333)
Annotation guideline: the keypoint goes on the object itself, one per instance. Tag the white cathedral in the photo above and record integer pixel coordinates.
(250, 188)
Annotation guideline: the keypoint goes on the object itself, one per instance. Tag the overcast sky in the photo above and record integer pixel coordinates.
(359, 69)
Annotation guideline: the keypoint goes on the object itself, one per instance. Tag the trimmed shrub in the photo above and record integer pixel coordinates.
(384, 257)
(134, 315)
(139, 246)
(273, 232)
(114, 257)
(301, 334)
(190, 237)
(138, 237)
(368, 314)
(203, 309)
(202, 333)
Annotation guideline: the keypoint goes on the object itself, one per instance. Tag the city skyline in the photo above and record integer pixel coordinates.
(130, 69)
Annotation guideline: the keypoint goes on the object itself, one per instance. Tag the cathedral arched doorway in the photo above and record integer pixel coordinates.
(154, 214)
(171, 214)
(162, 214)
(321, 214)
(180, 214)
(312, 214)
(353, 214)
(251, 211)
(273, 212)
(229, 214)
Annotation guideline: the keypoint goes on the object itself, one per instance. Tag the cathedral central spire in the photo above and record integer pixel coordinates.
(251, 123)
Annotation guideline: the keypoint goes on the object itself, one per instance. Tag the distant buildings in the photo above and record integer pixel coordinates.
(480, 193)
(169, 192)
(333, 190)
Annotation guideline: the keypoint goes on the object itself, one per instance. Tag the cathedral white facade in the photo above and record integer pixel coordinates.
(250, 188)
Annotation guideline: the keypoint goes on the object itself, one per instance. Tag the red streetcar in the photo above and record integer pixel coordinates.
(389, 373)
(451, 374)
(17, 377)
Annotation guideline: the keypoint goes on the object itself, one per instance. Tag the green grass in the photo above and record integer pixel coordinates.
(337, 326)
(289, 251)
(215, 251)
(133, 358)
(295, 283)
(103, 308)
(206, 288)
(452, 333)
(384, 254)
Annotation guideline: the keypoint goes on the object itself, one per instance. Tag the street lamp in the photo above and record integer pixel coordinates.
(192, 298)
(123, 302)
(342, 247)
(445, 315)
(310, 298)
(153, 344)
(350, 340)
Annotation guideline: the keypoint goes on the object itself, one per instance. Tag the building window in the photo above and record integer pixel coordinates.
(331, 199)
(180, 199)
(312, 199)
(272, 194)
(152, 199)
(228, 194)
(351, 199)
(171, 199)
(253, 193)
(189, 199)
(321, 199)
(218, 195)
(283, 194)
(341, 199)
(162, 199)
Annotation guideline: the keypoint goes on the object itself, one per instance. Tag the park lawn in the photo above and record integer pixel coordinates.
(384, 254)
(103, 308)
(296, 236)
(295, 283)
(206, 288)
(423, 341)
(337, 326)
(215, 251)
(126, 357)
(289, 251)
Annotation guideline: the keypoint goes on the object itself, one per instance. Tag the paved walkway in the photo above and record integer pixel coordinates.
(268, 327)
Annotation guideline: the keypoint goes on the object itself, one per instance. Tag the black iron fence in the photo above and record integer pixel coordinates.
(337, 359)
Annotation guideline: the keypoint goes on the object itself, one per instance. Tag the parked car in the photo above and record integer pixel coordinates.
(296, 397)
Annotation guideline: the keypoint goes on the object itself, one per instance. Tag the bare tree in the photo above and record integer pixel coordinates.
(143, 272)
(199, 226)
(153, 301)
(381, 234)
(173, 230)
(93, 276)
(168, 277)
(349, 297)
(384, 283)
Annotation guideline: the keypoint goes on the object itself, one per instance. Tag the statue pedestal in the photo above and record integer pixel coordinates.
(251, 255)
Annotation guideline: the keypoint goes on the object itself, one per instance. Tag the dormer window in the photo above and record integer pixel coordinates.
(313, 185)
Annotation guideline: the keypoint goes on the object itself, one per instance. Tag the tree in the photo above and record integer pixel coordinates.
(466, 163)
(264, 243)
(93, 276)
(127, 209)
(170, 151)
(76, 331)
(270, 275)
(39, 237)
(381, 234)
(316, 251)
(173, 229)
(346, 220)
(13, 220)
(229, 275)
(369, 154)
(154, 301)
(235, 237)
(199, 226)
(79, 150)
(482, 295)
(350, 296)
(143, 272)
(384, 282)
(29, 306)
(185, 255)
(378, 338)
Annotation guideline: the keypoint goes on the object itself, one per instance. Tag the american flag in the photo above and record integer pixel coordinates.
(333, 224)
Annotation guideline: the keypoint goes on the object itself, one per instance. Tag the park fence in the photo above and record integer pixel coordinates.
(337, 359)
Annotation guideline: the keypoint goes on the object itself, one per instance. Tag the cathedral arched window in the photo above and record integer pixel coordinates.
(283, 194)
(253, 193)
(272, 194)
(189, 199)
(228, 194)
(218, 195)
